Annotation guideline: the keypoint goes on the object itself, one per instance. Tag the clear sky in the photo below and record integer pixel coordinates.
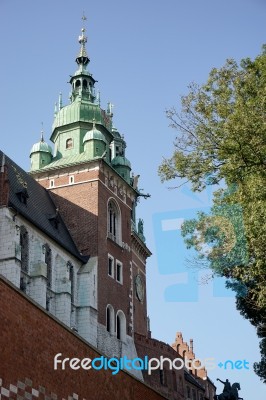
(144, 53)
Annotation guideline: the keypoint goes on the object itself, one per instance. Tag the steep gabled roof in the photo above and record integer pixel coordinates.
(35, 204)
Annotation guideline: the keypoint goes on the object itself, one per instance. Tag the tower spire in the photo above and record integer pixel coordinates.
(42, 138)
(82, 58)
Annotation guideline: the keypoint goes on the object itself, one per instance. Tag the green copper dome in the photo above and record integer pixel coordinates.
(41, 146)
(81, 111)
(94, 134)
(40, 154)
(121, 161)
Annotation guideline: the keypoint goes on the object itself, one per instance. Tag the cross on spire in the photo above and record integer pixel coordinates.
(84, 18)
(83, 58)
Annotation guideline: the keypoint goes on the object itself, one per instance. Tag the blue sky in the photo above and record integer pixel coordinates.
(143, 54)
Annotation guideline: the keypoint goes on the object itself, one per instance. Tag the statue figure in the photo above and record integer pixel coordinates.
(140, 226)
(227, 388)
(229, 392)
(141, 230)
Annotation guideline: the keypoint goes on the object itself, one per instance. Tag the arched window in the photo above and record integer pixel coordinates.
(120, 325)
(114, 221)
(77, 83)
(85, 83)
(69, 143)
(24, 244)
(110, 319)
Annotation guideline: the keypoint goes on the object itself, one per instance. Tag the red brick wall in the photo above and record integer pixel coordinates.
(174, 383)
(78, 205)
(29, 340)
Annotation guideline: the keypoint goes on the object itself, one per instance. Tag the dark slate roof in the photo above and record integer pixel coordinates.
(39, 209)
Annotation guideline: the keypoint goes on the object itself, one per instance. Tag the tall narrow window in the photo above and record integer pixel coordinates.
(120, 325)
(119, 272)
(23, 284)
(48, 262)
(111, 266)
(112, 218)
(110, 319)
(48, 302)
(24, 243)
(114, 221)
(114, 224)
(72, 282)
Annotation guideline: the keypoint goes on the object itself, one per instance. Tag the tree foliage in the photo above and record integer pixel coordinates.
(221, 139)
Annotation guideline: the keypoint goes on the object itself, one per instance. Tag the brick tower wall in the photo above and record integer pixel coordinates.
(83, 205)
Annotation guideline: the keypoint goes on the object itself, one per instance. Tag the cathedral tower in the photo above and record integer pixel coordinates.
(89, 179)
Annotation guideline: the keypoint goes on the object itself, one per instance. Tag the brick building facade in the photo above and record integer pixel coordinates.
(27, 354)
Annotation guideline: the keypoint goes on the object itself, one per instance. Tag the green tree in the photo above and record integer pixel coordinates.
(221, 140)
